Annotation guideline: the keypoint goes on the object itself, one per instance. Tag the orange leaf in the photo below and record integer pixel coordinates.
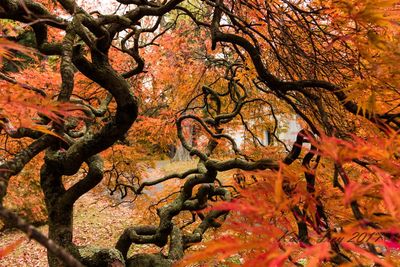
(365, 253)
(10, 248)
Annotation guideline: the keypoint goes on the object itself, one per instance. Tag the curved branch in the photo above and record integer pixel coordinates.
(92, 178)
(17, 163)
(165, 178)
(35, 234)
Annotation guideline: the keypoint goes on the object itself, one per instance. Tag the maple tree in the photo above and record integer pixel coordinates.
(144, 76)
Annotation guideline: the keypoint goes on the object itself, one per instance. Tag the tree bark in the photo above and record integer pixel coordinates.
(60, 215)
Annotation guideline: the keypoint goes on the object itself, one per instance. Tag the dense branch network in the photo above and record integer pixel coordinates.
(308, 82)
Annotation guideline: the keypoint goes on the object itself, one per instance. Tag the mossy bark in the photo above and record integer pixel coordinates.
(60, 214)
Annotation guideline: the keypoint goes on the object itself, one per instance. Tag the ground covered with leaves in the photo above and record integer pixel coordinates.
(99, 220)
(96, 223)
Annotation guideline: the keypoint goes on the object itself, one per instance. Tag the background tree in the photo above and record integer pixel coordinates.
(219, 66)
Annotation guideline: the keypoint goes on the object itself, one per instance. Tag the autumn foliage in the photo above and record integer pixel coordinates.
(92, 94)
(362, 210)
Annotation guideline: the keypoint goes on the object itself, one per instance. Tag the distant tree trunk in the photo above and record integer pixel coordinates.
(171, 151)
(181, 154)
(269, 136)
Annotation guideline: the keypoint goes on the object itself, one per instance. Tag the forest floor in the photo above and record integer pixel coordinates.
(96, 222)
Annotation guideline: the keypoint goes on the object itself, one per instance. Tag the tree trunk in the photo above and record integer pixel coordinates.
(181, 154)
(59, 215)
(60, 231)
